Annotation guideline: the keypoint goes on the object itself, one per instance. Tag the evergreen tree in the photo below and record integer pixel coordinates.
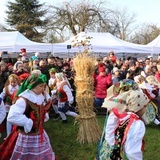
(27, 16)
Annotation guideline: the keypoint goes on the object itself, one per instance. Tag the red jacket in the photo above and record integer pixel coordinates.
(102, 83)
(157, 75)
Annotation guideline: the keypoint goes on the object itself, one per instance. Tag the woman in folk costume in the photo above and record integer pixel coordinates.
(124, 130)
(28, 114)
(11, 86)
(152, 80)
(116, 89)
(65, 97)
(152, 92)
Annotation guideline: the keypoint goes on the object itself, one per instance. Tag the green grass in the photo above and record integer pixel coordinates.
(63, 140)
(66, 147)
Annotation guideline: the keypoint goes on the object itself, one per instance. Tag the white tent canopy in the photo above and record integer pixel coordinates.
(14, 41)
(102, 43)
(155, 45)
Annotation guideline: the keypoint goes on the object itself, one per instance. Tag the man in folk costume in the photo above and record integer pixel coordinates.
(28, 114)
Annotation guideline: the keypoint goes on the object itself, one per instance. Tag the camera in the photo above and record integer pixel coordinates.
(5, 54)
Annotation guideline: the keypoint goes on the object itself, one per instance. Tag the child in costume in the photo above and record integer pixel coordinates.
(2, 115)
(28, 114)
(151, 89)
(65, 97)
(124, 130)
(52, 86)
(11, 86)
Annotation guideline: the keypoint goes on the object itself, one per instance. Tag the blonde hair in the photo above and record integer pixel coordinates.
(13, 77)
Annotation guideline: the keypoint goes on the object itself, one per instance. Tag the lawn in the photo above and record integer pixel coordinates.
(63, 140)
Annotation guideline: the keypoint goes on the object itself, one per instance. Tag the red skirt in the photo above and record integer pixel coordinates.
(7, 147)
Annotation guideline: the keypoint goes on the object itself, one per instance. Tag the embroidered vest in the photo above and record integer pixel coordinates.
(61, 94)
(117, 153)
(39, 114)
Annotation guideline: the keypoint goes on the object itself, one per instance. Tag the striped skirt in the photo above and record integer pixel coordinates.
(30, 147)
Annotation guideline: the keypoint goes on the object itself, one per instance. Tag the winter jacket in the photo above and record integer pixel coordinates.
(102, 83)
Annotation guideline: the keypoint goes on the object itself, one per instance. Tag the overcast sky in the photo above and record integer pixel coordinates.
(146, 10)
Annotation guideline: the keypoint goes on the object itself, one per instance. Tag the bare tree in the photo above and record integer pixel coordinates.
(146, 34)
(123, 22)
(79, 16)
(74, 17)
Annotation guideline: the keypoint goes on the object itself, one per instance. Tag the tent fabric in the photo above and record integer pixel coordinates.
(14, 41)
(102, 43)
(155, 45)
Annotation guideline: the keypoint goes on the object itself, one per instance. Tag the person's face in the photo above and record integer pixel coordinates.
(39, 88)
(102, 73)
(26, 64)
(154, 63)
(147, 62)
(59, 79)
(148, 70)
(42, 63)
(124, 68)
(117, 73)
(158, 67)
(10, 68)
(36, 62)
(52, 75)
(137, 64)
(59, 63)
(65, 67)
(13, 82)
(118, 62)
(51, 60)
(20, 66)
(3, 67)
(142, 111)
(111, 55)
(133, 67)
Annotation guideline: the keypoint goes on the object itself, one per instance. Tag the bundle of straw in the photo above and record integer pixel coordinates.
(89, 131)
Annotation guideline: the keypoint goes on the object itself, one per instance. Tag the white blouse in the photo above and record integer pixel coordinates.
(16, 113)
(11, 89)
(133, 143)
(2, 112)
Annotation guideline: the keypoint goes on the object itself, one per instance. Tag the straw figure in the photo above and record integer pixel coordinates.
(89, 131)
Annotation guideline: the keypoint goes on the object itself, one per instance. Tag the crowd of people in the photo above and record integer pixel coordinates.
(31, 85)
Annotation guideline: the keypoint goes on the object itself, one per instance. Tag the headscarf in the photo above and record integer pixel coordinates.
(141, 81)
(122, 86)
(63, 77)
(118, 88)
(32, 81)
(132, 100)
